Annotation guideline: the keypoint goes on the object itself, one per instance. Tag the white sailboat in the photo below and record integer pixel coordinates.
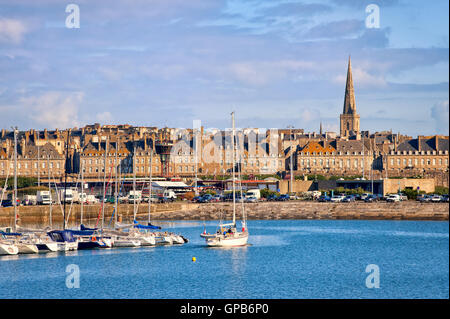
(130, 239)
(23, 245)
(228, 235)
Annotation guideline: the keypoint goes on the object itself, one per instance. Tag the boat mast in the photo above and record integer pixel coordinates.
(82, 190)
(150, 186)
(134, 181)
(65, 178)
(15, 178)
(104, 183)
(116, 188)
(233, 154)
(50, 192)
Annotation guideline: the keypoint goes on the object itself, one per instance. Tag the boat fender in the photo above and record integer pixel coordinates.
(94, 238)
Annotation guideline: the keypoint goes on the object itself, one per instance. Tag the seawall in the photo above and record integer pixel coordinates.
(409, 210)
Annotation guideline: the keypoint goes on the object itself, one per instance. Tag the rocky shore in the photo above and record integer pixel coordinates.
(409, 210)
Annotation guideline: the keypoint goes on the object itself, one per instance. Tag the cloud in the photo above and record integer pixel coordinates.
(440, 113)
(105, 117)
(362, 78)
(262, 73)
(358, 4)
(335, 29)
(52, 109)
(298, 9)
(12, 30)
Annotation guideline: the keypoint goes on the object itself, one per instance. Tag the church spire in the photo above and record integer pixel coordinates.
(349, 100)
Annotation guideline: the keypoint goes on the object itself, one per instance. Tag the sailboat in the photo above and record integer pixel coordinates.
(143, 232)
(24, 246)
(65, 238)
(128, 239)
(228, 235)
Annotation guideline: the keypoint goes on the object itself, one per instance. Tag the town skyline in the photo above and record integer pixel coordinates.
(276, 63)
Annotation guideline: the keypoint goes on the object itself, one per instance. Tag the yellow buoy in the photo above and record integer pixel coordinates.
(194, 259)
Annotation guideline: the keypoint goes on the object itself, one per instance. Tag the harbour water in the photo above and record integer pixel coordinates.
(284, 259)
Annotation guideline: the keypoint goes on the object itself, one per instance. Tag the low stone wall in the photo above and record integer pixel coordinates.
(410, 210)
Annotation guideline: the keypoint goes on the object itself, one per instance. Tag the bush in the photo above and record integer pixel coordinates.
(31, 190)
(265, 192)
(441, 190)
(411, 193)
(22, 182)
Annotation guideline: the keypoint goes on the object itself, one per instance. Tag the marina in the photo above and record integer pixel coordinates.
(283, 259)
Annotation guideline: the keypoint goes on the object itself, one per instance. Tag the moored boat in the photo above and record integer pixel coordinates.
(228, 234)
(8, 249)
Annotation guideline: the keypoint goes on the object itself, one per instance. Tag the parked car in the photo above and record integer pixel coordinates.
(445, 198)
(283, 197)
(403, 196)
(293, 196)
(251, 199)
(371, 198)
(348, 199)
(425, 198)
(272, 197)
(393, 198)
(7, 203)
(337, 198)
(436, 198)
(363, 196)
(420, 197)
(324, 198)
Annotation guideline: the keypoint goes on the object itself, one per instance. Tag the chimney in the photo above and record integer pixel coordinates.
(45, 134)
(3, 133)
(419, 143)
(436, 143)
(27, 137)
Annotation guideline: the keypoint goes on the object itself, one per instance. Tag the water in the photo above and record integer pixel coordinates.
(285, 259)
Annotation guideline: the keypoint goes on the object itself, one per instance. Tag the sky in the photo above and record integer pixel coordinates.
(274, 62)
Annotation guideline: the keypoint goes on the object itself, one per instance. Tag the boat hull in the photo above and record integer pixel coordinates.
(165, 240)
(177, 240)
(220, 241)
(127, 243)
(148, 240)
(7, 249)
(27, 248)
(90, 245)
(47, 247)
(67, 246)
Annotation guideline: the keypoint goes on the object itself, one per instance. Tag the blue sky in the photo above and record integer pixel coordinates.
(277, 63)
